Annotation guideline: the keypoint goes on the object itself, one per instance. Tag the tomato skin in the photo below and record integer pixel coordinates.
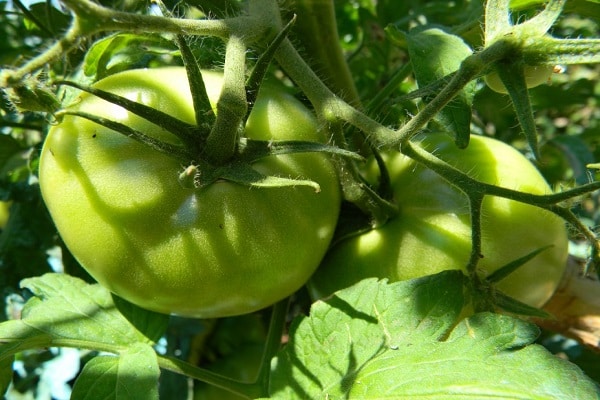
(535, 75)
(432, 232)
(213, 252)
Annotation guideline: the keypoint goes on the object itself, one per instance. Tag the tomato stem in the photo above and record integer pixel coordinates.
(249, 390)
(231, 107)
(272, 343)
(318, 34)
(475, 204)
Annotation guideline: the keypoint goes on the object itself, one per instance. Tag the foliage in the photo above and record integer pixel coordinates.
(376, 74)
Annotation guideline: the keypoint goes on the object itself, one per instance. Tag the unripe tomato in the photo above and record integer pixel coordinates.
(432, 233)
(535, 75)
(225, 249)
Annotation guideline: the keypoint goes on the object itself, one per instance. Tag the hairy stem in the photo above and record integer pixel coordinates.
(231, 107)
(317, 32)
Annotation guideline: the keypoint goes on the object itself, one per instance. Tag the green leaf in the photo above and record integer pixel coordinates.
(328, 349)
(45, 19)
(150, 323)
(6, 372)
(405, 341)
(122, 51)
(434, 55)
(132, 376)
(68, 311)
(585, 8)
(577, 153)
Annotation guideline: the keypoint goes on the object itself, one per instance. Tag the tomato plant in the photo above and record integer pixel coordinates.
(432, 231)
(193, 196)
(221, 250)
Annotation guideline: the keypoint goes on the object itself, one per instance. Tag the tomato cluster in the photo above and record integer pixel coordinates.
(228, 249)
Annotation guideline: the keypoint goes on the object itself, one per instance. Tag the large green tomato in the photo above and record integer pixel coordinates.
(433, 230)
(222, 250)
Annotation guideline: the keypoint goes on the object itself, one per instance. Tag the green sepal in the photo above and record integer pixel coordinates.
(262, 65)
(543, 21)
(250, 150)
(203, 111)
(553, 51)
(33, 97)
(497, 19)
(188, 133)
(512, 266)
(512, 76)
(514, 306)
(183, 153)
(242, 173)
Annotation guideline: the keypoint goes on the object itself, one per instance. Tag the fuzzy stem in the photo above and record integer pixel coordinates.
(231, 107)
(317, 32)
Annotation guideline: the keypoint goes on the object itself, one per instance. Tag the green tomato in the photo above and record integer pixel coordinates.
(222, 250)
(535, 75)
(432, 232)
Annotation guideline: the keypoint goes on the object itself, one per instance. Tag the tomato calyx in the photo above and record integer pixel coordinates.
(189, 134)
(487, 297)
(200, 173)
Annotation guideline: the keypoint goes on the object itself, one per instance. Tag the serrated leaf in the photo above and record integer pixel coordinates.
(401, 341)
(359, 324)
(151, 323)
(131, 376)
(434, 55)
(68, 311)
